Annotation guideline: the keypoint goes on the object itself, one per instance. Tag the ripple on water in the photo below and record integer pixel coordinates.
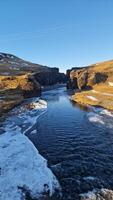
(78, 144)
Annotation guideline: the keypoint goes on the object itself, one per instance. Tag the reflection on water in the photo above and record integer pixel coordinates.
(82, 107)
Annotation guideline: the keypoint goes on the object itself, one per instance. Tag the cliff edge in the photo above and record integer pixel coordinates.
(93, 84)
(20, 79)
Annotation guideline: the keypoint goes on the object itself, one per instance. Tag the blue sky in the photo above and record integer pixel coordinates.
(60, 33)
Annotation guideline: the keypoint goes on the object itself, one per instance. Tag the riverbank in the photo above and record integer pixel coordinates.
(21, 166)
(100, 96)
(20, 79)
(77, 143)
(23, 169)
(94, 84)
(11, 98)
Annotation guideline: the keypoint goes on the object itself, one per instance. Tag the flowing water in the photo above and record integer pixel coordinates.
(76, 141)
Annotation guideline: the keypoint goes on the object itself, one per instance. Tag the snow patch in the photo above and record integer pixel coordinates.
(39, 105)
(92, 98)
(102, 117)
(106, 112)
(110, 83)
(23, 168)
(25, 117)
(93, 117)
(25, 64)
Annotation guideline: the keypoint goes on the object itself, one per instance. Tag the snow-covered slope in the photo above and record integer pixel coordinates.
(23, 171)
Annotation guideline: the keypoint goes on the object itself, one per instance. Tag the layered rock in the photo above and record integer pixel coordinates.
(51, 77)
(20, 79)
(94, 84)
(86, 78)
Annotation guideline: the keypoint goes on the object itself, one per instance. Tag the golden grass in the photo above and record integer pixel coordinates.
(13, 82)
(103, 88)
(103, 92)
(103, 100)
(103, 66)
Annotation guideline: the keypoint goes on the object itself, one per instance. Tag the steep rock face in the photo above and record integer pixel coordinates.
(72, 81)
(94, 84)
(13, 90)
(51, 77)
(86, 78)
(24, 83)
(20, 79)
(11, 65)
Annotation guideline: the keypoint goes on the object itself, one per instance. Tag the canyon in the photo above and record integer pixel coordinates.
(93, 84)
(20, 79)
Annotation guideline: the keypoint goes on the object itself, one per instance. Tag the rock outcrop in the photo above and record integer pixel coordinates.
(102, 194)
(86, 78)
(51, 77)
(20, 79)
(93, 83)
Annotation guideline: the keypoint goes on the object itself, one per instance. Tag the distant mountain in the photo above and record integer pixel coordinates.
(12, 65)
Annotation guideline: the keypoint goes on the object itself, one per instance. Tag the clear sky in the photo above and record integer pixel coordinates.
(60, 33)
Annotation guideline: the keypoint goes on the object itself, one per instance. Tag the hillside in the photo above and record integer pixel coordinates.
(94, 84)
(12, 65)
(20, 79)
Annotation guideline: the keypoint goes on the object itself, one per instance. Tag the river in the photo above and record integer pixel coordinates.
(76, 141)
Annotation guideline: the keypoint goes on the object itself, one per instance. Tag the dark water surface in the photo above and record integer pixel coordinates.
(78, 144)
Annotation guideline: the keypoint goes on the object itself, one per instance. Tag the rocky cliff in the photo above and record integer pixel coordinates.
(20, 79)
(94, 84)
